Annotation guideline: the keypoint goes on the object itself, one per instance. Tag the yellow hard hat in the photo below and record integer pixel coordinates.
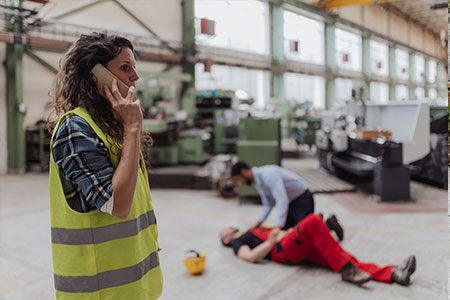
(196, 264)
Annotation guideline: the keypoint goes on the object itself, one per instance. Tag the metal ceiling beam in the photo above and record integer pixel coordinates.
(78, 9)
(62, 46)
(40, 60)
(125, 9)
(397, 11)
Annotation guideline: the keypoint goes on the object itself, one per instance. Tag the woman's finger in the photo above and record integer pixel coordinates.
(130, 94)
(109, 95)
(115, 91)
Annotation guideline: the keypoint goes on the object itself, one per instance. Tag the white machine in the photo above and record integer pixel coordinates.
(409, 122)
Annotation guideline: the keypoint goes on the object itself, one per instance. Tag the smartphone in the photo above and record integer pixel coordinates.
(104, 77)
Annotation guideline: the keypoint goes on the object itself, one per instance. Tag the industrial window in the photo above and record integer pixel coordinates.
(432, 71)
(419, 68)
(419, 93)
(343, 91)
(379, 92)
(303, 38)
(379, 58)
(401, 92)
(255, 82)
(432, 93)
(305, 88)
(401, 64)
(348, 50)
(240, 25)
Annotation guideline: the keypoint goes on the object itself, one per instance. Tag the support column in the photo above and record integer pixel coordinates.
(330, 64)
(426, 74)
(14, 95)
(366, 64)
(392, 73)
(189, 51)
(277, 49)
(441, 81)
(412, 79)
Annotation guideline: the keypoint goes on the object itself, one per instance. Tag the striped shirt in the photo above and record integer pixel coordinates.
(86, 169)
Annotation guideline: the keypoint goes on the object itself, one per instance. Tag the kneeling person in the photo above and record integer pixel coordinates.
(283, 189)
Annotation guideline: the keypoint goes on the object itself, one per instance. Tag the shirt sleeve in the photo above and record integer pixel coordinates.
(84, 160)
(244, 239)
(282, 201)
(267, 208)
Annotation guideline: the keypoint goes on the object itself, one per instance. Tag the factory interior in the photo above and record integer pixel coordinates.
(348, 96)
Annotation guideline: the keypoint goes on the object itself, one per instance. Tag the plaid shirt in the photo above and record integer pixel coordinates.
(85, 166)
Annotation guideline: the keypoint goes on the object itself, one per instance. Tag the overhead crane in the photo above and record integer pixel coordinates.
(332, 4)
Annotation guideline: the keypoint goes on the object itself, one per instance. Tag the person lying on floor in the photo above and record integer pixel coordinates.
(310, 240)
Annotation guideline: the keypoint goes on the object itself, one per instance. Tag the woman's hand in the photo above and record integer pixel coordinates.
(281, 234)
(273, 235)
(126, 111)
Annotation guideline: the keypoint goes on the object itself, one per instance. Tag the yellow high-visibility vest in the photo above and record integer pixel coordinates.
(97, 256)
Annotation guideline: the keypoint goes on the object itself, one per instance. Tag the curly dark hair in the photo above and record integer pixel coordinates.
(76, 86)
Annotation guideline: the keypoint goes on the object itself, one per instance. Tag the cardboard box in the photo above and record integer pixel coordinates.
(373, 134)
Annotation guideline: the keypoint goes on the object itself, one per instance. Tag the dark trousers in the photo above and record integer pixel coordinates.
(299, 208)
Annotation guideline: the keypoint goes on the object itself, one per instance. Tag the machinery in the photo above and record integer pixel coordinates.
(394, 135)
(175, 141)
(217, 113)
(37, 139)
(297, 121)
(259, 144)
(306, 125)
(432, 168)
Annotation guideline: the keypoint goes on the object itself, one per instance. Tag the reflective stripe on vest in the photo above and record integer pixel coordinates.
(102, 234)
(118, 277)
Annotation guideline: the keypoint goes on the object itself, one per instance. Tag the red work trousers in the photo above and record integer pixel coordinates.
(311, 240)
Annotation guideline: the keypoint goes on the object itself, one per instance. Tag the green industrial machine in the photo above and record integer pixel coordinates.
(191, 146)
(285, 109)
(307, 126)
(154, 89)
(217, 112)
(37, 139)
(165, 150)
(259, 144)
(297, 121)
(175, 140)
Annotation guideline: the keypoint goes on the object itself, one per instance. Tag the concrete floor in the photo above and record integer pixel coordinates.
(192, 219)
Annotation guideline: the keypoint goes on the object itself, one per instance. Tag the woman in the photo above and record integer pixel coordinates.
(104, 234)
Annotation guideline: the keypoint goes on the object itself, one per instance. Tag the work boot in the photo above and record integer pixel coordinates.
(333, 224)
(352, 274)
(401, 274)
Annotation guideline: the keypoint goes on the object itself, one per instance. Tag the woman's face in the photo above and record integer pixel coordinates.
(123, 66)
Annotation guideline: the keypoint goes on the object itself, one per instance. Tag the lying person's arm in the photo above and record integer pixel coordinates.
(260, 251)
